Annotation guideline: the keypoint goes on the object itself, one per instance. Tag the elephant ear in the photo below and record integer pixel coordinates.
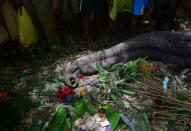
(70, 80)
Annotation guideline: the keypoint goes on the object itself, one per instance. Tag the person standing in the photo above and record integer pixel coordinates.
(163, 14)
(9, 34)
(117, 7)
(43, 18)
(139, 8)
(83, 10)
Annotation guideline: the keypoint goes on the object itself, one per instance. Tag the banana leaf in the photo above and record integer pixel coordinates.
(60, 121)
(141, 122)
(82, 106)
(112, 115)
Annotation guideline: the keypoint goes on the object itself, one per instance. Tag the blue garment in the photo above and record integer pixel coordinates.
(140, 6)
(165, 83)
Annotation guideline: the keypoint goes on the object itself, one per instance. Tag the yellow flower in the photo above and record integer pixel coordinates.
(83, 91)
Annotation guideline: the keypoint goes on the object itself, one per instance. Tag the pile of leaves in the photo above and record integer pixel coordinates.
(139, 83)
(114, 81)
(166, 110)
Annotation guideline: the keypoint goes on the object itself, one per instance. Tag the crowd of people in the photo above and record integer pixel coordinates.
(43, 14)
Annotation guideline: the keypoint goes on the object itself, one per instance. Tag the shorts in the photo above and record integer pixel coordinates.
(92, 5)
(140, 6)
(77, 6)
(164, 10)
(120, 6)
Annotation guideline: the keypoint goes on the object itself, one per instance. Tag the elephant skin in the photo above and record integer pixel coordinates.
(165, 46)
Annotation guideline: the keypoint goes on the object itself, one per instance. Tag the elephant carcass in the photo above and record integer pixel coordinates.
(168, 47)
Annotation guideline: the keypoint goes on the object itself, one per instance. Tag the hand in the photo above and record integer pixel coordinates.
(55, 5)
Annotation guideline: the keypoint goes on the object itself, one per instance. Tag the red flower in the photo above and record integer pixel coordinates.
(65, 128)
(66, 88)
(139, 68)
(157, 68)
(81, 77)
(65, 92)
(3, 93)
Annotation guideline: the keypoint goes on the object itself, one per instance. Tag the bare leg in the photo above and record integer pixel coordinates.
(189, 24)
(170, 14)
(98, 22)
(134, 24)
(112, 28)
(86, 28)
(77, 22)
(154, 25)
(166, 26)
(85, 22)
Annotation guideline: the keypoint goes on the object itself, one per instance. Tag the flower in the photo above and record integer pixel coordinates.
(65, 128)
(82, 92)
(4, 93)
(81, 77)
(139, 68)
(65, 92)
(157, 68)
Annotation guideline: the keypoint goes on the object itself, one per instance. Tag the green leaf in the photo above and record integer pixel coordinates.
(106, 78)
(116, 67)
(101, 70)
(122, 125)
(82, 106)
(102, 85)
(56, 81)
(148, 109)
(23, 78)
(112, 115)
(127, 92)
(68, 122)
(59, 121)
(187, 129)
(117, 101)
(129, 85)
(170, 125)
(120, 82)
(48, 85)
(55, 84)
(182, 97)
(141, 122)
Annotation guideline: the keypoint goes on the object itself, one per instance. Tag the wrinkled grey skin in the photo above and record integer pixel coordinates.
(168, 47)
